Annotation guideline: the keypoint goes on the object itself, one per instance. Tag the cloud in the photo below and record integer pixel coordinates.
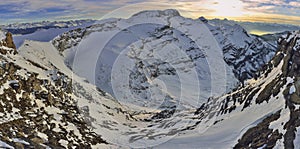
(295, 4)
(266, 2)
(30, 10)
(35, 10)
(265, 9)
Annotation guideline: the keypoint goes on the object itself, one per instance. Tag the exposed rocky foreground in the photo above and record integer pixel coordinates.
(37, 112)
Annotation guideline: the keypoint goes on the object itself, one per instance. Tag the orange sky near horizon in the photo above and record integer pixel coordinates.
(271, 11)
(230, 9)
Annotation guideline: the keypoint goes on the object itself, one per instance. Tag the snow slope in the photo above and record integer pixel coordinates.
(118, 124)
(2, 35)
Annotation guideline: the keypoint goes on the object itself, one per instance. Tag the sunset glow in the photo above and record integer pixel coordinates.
(221, 8)
(278, 11)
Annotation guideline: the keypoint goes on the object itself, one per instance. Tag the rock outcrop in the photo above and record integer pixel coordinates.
(9, 43)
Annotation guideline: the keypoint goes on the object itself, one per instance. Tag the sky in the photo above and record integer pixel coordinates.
(272, 11)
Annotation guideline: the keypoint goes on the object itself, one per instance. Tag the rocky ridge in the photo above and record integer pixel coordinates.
(278, 85)
(244, 52)
(38, 111)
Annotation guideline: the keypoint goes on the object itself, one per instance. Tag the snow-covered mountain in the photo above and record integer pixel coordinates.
(167, 84)
(163, 46)
(63, 109)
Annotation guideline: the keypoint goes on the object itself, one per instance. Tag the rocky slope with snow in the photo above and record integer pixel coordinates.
(244, 52)
(44, 104)
(40, 98)
(269, 105)
(168, 88)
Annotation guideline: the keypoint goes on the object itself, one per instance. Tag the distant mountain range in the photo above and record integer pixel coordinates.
(42, 31)
(259, 28)
(28, 28)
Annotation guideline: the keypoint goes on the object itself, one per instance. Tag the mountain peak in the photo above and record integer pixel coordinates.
(157, 13)
(203, 19)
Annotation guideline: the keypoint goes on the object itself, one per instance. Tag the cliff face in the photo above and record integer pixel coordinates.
(276, 92)
(244, 52)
